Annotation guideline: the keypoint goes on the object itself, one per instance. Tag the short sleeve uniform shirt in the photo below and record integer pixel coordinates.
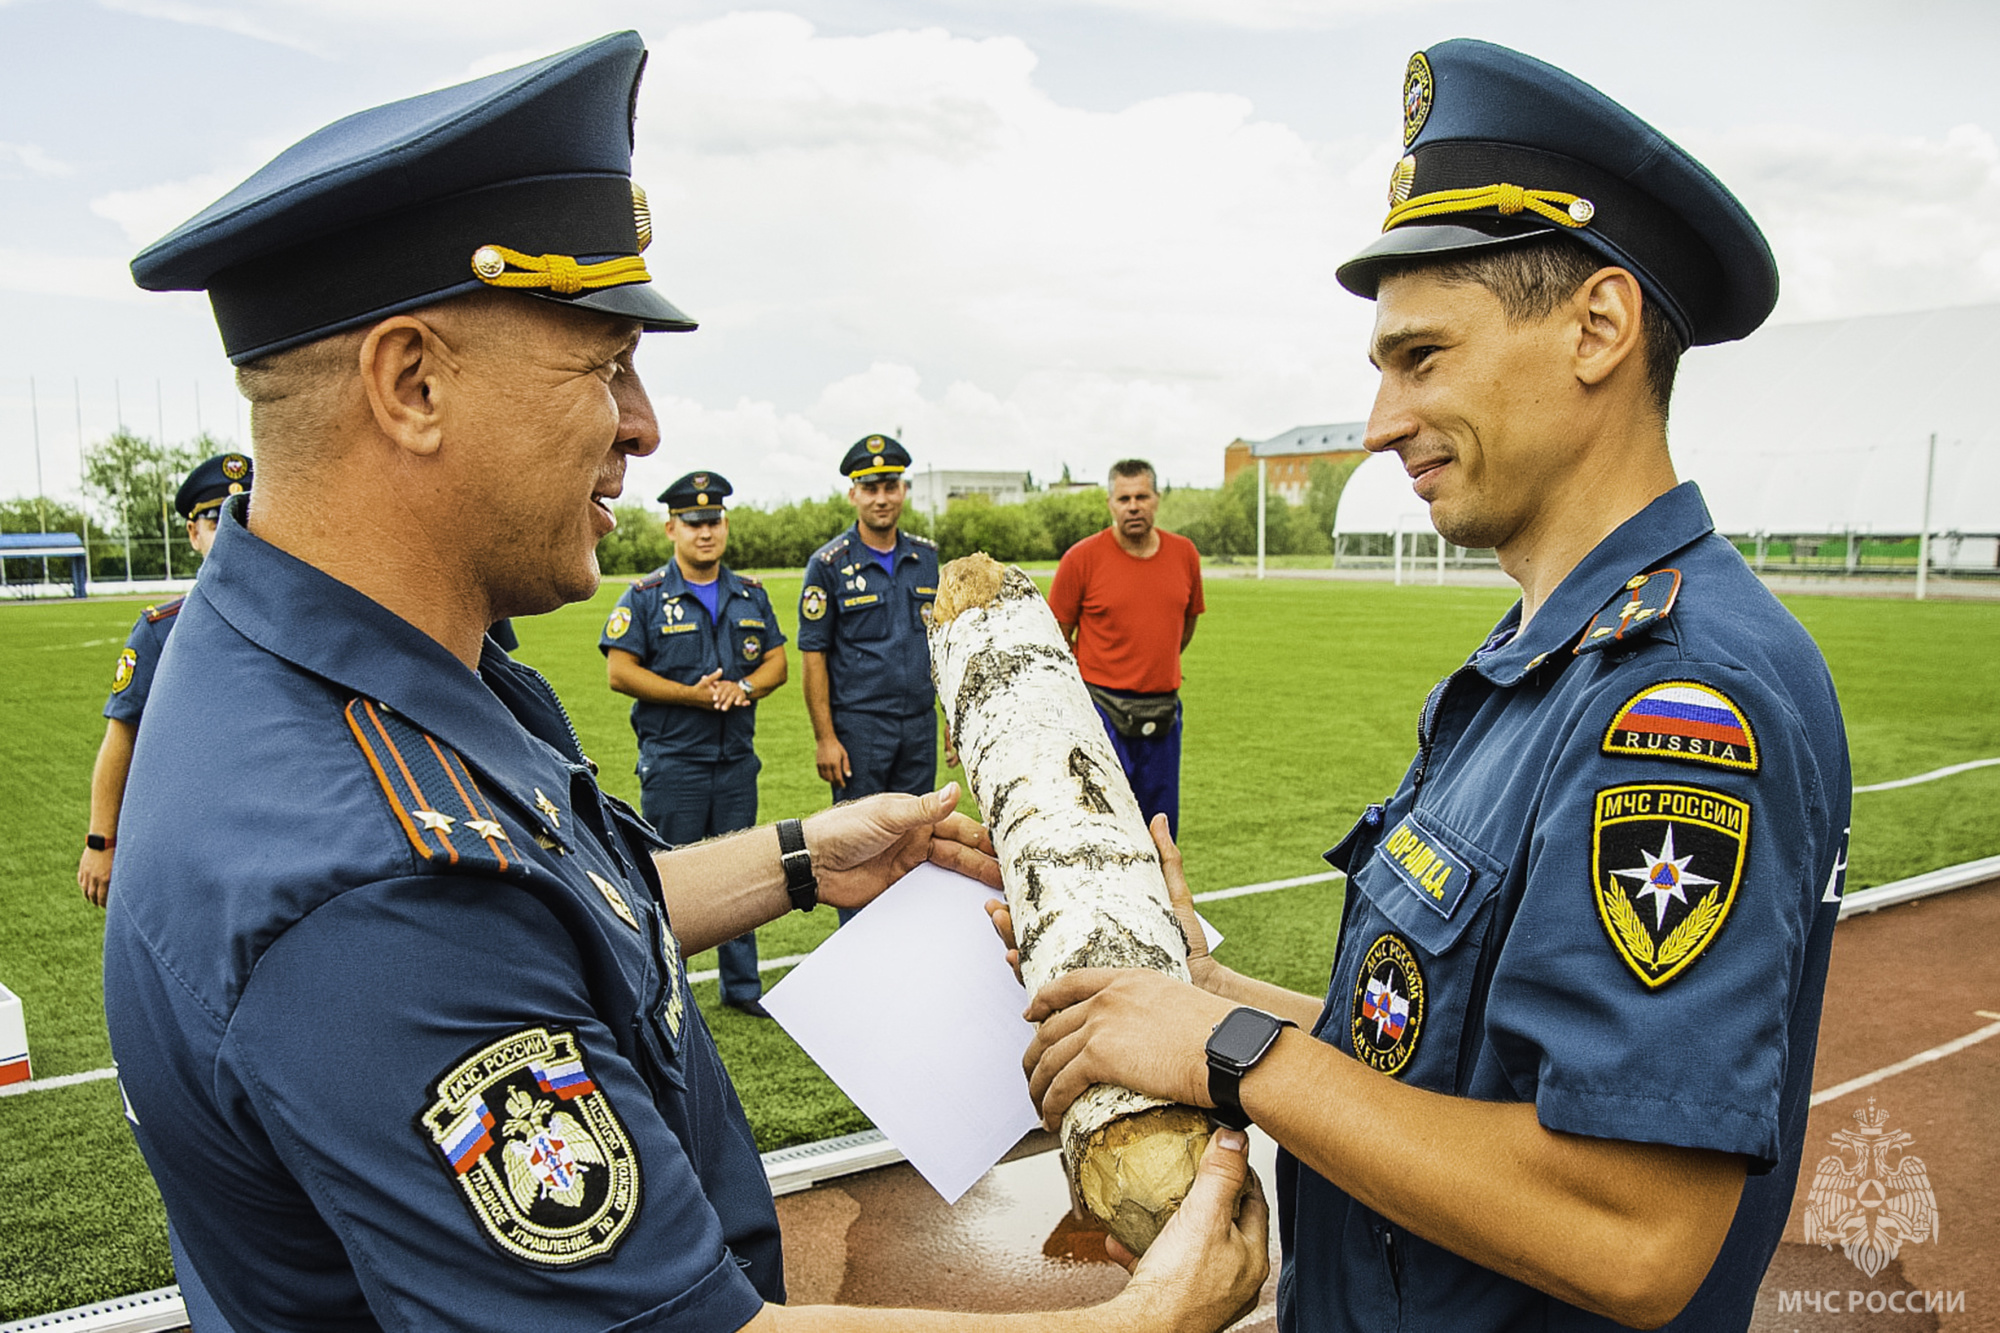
(660, 622)
(132, 681)
(1607, 886)
(1129, 613)
(426, 1056)
(871, 623)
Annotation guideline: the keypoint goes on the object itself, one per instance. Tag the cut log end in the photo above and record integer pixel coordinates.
(965, 583)
(1132, 1174)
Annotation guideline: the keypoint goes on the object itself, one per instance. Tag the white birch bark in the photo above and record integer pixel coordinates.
(1082, 876)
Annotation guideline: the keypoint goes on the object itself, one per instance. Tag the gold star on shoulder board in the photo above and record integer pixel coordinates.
(433, 821)
(548, 808)
(487, 828)
(615, 898)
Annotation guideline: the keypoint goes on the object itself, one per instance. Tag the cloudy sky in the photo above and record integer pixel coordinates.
(1024, 234)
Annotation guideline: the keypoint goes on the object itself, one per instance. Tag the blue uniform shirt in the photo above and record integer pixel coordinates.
(660, 621)
(1607, 886)
(132, 681)
(871, 625)
(404, 1032)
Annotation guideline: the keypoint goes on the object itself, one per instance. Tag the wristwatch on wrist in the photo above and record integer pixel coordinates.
(1237, 1043)
(97, 842)
(800, 882)
(749, 689)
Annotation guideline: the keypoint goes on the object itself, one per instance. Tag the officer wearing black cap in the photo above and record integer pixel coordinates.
(199, 503)
(862, 614)
(396, 991)
(696, 645)
(1561, 1074)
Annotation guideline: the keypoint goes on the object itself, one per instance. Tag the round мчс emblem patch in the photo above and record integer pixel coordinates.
(1389, 997)
(1418, 88)
(619, 622)
(753, 647)
(128, 663)
(813, 605)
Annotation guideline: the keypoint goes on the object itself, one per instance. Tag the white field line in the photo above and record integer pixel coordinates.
(59, 1081)
(1931, 776)
(1935, 1053)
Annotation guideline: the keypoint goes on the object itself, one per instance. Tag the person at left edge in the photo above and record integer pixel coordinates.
(199, 503)
(396, 991)
(696, 645)
(863, 610)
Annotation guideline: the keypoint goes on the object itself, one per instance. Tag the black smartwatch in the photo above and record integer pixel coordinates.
(1238, 1042)
(98, 842)
(800, 882)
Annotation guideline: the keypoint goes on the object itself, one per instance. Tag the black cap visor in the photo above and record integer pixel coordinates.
(1362, 274)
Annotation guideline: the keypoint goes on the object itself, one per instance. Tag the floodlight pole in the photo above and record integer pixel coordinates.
(1260, 518)
(1924, 537)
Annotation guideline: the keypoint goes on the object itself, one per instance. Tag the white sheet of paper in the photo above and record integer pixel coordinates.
(912, 1010)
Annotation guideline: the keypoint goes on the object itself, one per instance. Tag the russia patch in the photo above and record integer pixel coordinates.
(1680, 719)
(558, 1184)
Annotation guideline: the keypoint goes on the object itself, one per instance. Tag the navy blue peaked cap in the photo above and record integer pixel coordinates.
(875, 456)
(697, 495)
(521, 180)
(1500, 147)
(212, 482)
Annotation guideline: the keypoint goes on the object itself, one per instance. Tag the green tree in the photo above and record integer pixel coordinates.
(1067, 517)
(1006, 532)
(130, 482)
(637, 545)
(1324, 483)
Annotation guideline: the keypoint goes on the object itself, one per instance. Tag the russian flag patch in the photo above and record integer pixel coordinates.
(1683, 719)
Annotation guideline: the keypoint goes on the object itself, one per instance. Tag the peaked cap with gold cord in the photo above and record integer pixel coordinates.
(520, 181)
(1500, 148)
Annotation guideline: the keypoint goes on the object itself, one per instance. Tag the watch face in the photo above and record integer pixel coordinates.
(1242, 1037)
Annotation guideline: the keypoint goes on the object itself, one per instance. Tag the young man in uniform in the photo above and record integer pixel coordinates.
(396, 991)
(1561, 1075)
(862, 613)
(696, 645)
(199, 503)
(1127, 599)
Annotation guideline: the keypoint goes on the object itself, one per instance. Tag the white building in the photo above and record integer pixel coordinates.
(932, 490)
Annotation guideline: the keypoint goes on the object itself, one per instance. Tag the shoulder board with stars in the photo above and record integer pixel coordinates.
(652, 580)
(922, 541)
(155, 614)
(749, 582)
(1644, 601)
(432, 794)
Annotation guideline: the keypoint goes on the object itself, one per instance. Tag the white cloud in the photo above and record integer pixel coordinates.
(1871, 223)
(44, 273)
(32, 159)
(241, 20)
(1260, 15)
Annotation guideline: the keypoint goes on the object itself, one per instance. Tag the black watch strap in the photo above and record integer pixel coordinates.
(800, 882)
(98, 842)
(1232, 1054)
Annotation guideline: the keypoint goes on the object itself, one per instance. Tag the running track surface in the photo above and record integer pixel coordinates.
(1903, 981)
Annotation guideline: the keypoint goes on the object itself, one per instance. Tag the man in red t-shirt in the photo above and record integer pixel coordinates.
(1126, 600)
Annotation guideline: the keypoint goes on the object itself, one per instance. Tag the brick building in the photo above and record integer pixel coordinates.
(1289, 457)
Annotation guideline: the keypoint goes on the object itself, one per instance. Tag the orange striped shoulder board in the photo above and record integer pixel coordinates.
(449, 821)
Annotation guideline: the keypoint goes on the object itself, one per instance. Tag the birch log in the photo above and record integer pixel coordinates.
(1082, 877)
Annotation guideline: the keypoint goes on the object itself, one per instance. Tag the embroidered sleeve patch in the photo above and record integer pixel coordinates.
(1388, 1014)
(1665, 863)
(813, 604)
(537, 1153)
(618, 622)
(1680, 719)
(128, 665)
(1437, 875)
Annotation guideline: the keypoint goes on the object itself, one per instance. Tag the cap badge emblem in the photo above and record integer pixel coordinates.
(875, 444)
(1417, 90)
(1402, 180)
(701, 497)
(701, 481)
(487, 263)
(642, 218)
(235, 466)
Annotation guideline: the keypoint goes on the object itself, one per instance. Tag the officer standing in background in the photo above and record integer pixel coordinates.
(862, 615)
(696, 645)
(1561, 1075)
(397, 991)
(199, 503)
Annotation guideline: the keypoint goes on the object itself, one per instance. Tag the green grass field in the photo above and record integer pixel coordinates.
(1301, 704)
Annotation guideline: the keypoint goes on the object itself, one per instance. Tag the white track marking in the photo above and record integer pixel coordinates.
(59, 1081)
(1935, 1053)
(1931, 776)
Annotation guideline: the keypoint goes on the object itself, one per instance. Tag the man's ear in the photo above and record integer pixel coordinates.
(404, 367)
(1606, 311)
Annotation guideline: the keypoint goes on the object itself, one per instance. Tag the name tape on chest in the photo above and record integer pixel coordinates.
(1665, 863)
(1421, 861)
(1684, 719)
(538, 1155)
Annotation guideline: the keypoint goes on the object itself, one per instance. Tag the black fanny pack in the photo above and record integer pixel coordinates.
(1138, 716)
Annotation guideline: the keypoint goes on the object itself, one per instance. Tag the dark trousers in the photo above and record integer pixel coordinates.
(886, 754)
(687, 801)
(1152, 765)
